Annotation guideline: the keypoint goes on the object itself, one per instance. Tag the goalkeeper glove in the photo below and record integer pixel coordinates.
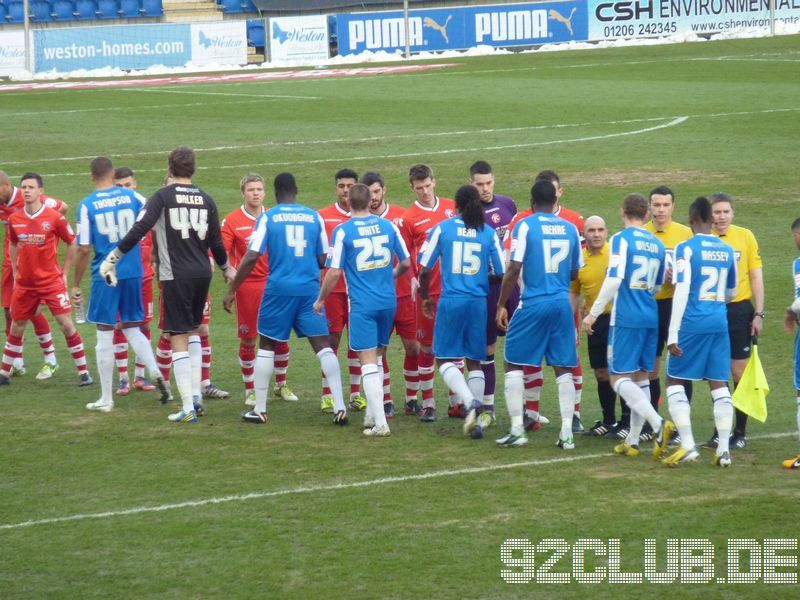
(108, 268)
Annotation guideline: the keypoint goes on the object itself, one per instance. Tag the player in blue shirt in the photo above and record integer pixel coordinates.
(790, 321)
(362, 249)
(469, 251)
(547, 250)
(104, 218)
(293, 236)
(635, 272)
(699, 346)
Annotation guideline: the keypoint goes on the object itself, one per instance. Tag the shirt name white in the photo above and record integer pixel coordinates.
(369, 230)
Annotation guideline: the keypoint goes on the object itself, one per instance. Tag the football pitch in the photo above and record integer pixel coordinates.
(128, 504)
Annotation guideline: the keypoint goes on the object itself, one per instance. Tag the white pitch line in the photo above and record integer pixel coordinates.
(429, 134)
(34, 113)
(298, 490)
(190, 92)
(340, 159)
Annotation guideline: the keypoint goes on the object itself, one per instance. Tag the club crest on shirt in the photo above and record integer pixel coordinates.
(495, 217)
(449, 212)
(46, 225)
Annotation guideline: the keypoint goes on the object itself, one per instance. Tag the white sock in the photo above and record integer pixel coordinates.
(333, 375)
(638, 399)
(566, 402)
(798, 415)
(680, 410)
(182, 369)
(104, 351)
(262, 374)
(514, 387)
(144, 351)
(637, 422)
(454, 379)
(196, 363)
(476, 382)
(372, 380)
(723, 417)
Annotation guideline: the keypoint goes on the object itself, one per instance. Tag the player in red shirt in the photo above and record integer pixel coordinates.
(10, 202)
(336, 305)
(124, 177)
(426, 211)
(237, 228)
(405, 320)
(533, 375)
(33, 234)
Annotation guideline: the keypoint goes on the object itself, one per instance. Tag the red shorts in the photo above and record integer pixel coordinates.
(7, 285)
(248, 301)
(405, 319)
(336, 311)
(147, 300)
(424, 324)
(25, 302)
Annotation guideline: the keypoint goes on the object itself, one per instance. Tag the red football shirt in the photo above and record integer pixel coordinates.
(237, 228)
(416, 222)
(568, 215)
(16, 203)
(332, 216)
(37, 237)
(402, 285)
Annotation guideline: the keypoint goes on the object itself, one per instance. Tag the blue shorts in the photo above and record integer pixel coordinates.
(119, 304)
(459, 330)
(705, 356)
(370, 328)
(278, 315)
(797, 361)
(545, 330)
(632, 349)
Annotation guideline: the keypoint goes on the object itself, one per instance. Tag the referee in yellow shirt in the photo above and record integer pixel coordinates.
(589, 281)
(669, 233)
(746, 311)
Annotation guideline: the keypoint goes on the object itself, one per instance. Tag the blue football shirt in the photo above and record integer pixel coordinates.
(293, 236)
(709, 265)
(637, 258)
(549, 249)
(468, 256)
(363, 248)
(104, 218)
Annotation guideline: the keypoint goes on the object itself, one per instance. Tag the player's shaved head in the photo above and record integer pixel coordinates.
(543, 196)
(634, 206)
(4, 177)
(359, 197)
(5, 188)
(594, 221)
(101, 168)
(285, 186)
(182, 162)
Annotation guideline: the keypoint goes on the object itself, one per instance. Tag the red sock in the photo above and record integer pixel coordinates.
(354, 367)
(164, 356)
(281, 363)
(411, 376)
(41, 327)
(387, 381)
(533, 378)
(121, 354)
(75, 347)
(12, 351)
(205, 370)
(426, 377)
(247, 362)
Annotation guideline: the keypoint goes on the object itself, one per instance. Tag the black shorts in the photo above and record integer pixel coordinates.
(664, 315)
(492, 332)
(597, 343)
(740, 317)
(183, 303)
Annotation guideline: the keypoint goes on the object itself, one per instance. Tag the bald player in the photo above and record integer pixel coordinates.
(588, 283)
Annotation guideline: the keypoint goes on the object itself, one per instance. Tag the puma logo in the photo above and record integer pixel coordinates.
(554, 15)
(428, 22)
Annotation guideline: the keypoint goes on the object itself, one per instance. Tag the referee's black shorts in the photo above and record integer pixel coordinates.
(183, 301)
(664, 315)
(740, 317)
(597, 343)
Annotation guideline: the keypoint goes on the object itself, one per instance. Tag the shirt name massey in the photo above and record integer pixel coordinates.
(554, 229)
(194, 199)
(715, 255)
(293, 218)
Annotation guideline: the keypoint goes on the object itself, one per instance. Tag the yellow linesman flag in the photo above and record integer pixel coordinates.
(751, 393)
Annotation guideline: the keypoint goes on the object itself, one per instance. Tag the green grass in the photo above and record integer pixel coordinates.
(436, 536)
